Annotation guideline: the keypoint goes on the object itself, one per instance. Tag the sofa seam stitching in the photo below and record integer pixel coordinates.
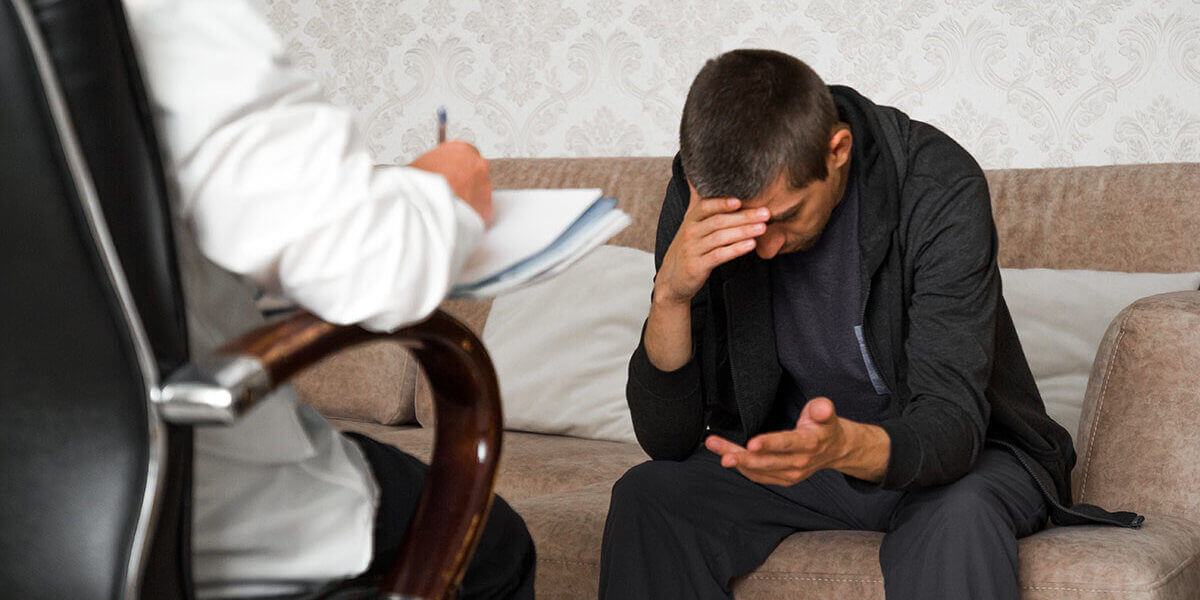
(1112, 360)
(1075, 589)
(1149, 587)
(803, 578)
(1165, 579)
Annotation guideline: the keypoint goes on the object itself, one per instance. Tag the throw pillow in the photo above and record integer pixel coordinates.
(562, 347)
(1061, 316)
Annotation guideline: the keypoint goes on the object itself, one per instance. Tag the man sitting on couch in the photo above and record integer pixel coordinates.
(861, 372)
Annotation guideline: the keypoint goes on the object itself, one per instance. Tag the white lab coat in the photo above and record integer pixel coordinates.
(276, 190)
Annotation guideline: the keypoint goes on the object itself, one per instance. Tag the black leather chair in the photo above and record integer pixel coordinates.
(98, 395)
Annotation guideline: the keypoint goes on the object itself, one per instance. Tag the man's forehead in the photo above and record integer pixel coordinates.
(779, 195)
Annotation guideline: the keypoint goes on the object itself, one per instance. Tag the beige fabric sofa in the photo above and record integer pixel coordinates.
(1139, 440)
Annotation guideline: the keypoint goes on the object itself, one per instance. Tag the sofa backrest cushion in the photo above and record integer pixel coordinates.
(1061, 316)
(1137, 218)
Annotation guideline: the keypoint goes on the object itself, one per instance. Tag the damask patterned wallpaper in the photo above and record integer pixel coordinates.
(1021, 83)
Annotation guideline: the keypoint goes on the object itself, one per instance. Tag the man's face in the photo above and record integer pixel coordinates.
(797, 215)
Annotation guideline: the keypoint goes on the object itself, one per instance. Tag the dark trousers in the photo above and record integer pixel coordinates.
(685, 529)
(504, 560)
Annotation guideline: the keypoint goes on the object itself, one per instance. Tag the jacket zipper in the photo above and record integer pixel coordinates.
(862, 318)
(1051, 498)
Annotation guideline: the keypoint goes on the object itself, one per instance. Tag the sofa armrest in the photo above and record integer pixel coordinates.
(1137, 437)
(457, 492)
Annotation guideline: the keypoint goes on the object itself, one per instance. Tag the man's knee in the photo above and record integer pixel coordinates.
(969, 503)
(646, 485)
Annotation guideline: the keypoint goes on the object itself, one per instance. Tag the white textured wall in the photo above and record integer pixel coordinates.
(1020, 83)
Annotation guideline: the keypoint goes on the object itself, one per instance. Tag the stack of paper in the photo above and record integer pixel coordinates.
(536, 234)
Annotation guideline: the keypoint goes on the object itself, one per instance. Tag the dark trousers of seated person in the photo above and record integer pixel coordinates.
(686, 529)
(504, 560)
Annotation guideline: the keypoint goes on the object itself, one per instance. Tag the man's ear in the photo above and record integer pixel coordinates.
(839, 147)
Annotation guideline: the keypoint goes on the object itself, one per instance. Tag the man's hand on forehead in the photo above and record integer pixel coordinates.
(714, 231)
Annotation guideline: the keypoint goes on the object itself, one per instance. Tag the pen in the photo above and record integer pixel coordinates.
(441, 117)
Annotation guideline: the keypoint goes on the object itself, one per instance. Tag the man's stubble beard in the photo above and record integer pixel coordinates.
(807, 243)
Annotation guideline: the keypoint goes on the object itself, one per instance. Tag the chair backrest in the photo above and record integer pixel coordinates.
(92, 308)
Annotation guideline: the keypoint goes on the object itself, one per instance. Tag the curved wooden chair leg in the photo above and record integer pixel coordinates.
(457, 494)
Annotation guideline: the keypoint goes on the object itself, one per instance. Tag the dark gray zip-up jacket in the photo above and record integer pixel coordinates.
(935, 325)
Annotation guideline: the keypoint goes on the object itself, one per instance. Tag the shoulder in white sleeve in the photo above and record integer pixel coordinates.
(276, 180)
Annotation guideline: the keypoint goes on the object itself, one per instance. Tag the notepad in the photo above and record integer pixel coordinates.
(536, 234)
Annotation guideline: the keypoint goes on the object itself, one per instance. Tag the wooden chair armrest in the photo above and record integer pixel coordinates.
(457, 493)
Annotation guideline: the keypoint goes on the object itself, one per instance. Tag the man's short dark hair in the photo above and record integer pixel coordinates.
(748, 115)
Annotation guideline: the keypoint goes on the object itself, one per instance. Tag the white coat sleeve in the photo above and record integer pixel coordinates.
(278, 184)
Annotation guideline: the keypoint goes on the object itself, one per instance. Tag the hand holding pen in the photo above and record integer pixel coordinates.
(463, 167)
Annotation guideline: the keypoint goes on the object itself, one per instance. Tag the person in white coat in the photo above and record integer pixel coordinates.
(276, 191)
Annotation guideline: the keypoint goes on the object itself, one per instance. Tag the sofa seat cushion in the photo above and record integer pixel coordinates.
(1159, 561)
(530, 464)
(567, 528)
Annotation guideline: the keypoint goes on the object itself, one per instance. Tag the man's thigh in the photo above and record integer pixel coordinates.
(997, 487)
(960, 540)
(720, 508)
